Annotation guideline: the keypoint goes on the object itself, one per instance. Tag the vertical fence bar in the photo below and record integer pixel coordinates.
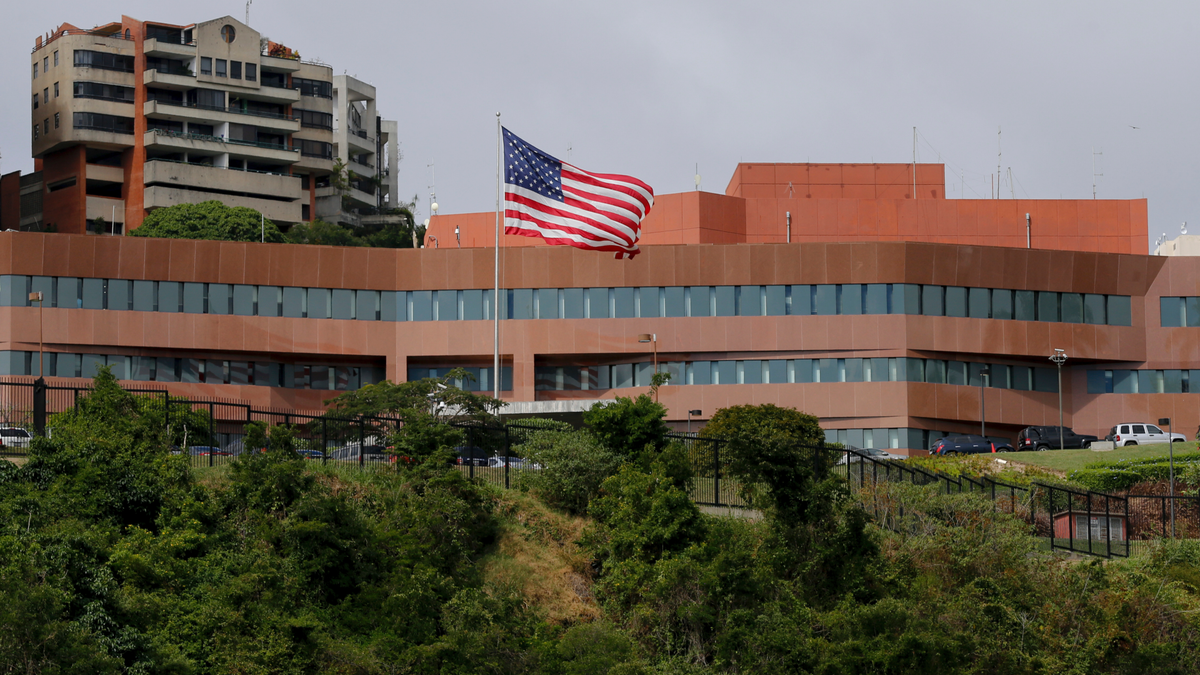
(716, 446)
(211, 439)
(324, 444)
(507, 454)
(362, 450)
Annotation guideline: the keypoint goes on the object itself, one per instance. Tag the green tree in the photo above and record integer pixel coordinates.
(627, 426)
(208, 220)
(322, 233)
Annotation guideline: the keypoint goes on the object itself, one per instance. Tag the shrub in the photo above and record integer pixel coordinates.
(626, 426)
(574, 465)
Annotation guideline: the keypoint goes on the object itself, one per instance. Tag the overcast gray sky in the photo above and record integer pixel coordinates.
(653, 88)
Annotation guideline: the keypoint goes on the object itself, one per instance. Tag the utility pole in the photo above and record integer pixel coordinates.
(1059, 358)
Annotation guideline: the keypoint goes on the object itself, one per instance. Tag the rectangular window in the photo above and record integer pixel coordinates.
(777, 300)
(777, 371)
(35, 70)
(700, 301)
(366, 305)
(103, 60)
(56, 58)
(1171, 312)
(145, 296)
(1125, 381)
(93, 294)
(220, 299)
(164, 370)
(1072, 307)
(520, 303)
(206, 65)
(69, 293)
(319, 303)
(46, 125)
(623, 303)
(956, 372)
(574, 304)
(700, 372)
(447, 306)
(55, 90)
(649, 302)
(46, 96)
(220, 67)
(1120, 312)
(1002, 304)
(1045, 379)
(726, 301)
(235, 70)
(37, 101)
(1025, 306)
(752, 372)
(850, 299)
(1047, 306)
(472, 305)
(56, 120)
(749, 300)
(622, 375)
(825, 370)
(725, 372)
(979, 303)
(343, 304)
(270, 299)
(295, 302)
(597, 300)
(935, 371)
(45, 64)
(421, 305)
(824, 300)
(169, 296)
(99, 122)
(1173, 381)
(876, 299)
(1093, 309)
(120, 294)
(1150, 381)
(801, 300)
(676, 304)
(251, 72)
(547, 303)
(803, 371)
(854, 370)
(933, 300)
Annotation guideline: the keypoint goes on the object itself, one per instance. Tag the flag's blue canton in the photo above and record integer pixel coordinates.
(529, 168)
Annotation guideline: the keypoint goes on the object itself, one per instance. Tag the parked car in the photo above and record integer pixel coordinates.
(966, 444)
(206, 450)
(365, 453)
(15, 437)
(1047, 438)
(310, 454)
(1133, 433)
(513, 463)
(872, 453)
(467, 455)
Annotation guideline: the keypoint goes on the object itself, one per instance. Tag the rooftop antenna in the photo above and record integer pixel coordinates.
(1183, 228)
(697, 176)
(1012, 189)
(1094, 174)
(248, 11)
(999, 155)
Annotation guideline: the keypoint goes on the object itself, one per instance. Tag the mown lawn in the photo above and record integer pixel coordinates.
(1070, 460)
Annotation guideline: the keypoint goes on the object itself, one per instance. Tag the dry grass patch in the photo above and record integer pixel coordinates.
(537, 554)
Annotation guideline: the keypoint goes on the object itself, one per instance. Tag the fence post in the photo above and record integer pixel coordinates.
(211, 439)
(39, 406)
(362, 442)
(717, 472)
(324, 444)
(507, 454)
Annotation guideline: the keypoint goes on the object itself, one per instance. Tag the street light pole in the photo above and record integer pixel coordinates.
(983, 376)
(1059, 358)
(652, 338)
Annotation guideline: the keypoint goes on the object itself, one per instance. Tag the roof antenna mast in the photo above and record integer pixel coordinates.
(248, 11)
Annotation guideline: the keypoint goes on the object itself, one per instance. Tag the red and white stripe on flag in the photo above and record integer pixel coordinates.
(566, 205)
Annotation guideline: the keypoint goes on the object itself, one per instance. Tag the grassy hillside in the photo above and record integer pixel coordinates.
(1071, 460)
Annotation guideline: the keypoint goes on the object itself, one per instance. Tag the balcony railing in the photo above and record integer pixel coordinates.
(362, 162)
(210, 166)
(221, 139)
(98, 97)
(115, 36)
(184, 72)
(225, 109)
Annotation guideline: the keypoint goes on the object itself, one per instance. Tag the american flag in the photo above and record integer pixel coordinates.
(563, 204)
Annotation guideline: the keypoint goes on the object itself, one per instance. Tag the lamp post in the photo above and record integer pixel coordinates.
(983, 376)
(1059, 358)
(1166, 421)
(690, 413)
(652, 338)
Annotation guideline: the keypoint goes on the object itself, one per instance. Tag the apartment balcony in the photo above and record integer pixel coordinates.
(270, 94)
(359, 139)
(360, 199)
(164, 80)
(154, 47)
(162, 196)
(171, 141)
(111, 210)
(183, 112)
(226, 180)
(280, 65)
(109, 174)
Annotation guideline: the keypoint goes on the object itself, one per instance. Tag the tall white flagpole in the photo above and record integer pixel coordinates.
(496, 297)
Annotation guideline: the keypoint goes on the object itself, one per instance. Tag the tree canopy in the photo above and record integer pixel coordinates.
(208, 220)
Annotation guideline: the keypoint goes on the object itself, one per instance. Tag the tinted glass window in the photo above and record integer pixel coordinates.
(956, 372)
(1022, 378)
(675, 304)
(170, 296)
(825, 300)
(700, 372)
(422, 305)
(1191, 311)
(574, 306)
(1120, 312)
(979, 303)
(776, 300)
(749, 301)
(120, 294)
(933, 300)
(1125, 382)
(1002, 304)
(642, 372)
(295, 302)
(622, 375)
(726, 303)
(165, 370)
(854, 370)
(68, 293)
(825, 370)
(1171, 312)
(1072, 308)
(956, 301)
(342, 304)
(143, 296)
(270, 300)
(220, 299)
(598, 303)
(1173, 381)
(850, 299)
(366, 305)
(243, 300)
(1045, 379)
(520, 304)
(623, 303)
(1150, 382)
(935, 371)
(876, 299)
(1025, 306)
(1047, 306)
(777, 371)
(93, 293)
(803, 370)
(752, 372)
(547, 303)
(916, 370)
(906, 299)
(473, 305)
(1093, 309)
(700, 301)
(725, 372)
(447, 305)
(801, 296)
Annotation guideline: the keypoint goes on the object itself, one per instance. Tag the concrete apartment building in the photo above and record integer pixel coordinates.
(134, 116)
(829, 288)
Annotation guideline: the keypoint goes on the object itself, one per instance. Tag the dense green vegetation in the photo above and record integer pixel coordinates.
(118, 557)
(208, 220)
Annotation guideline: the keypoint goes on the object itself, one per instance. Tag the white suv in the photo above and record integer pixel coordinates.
(1141, 434)
(15, 437)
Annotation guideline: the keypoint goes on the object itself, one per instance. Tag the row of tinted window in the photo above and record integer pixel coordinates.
(479, 378)
(101, 122)
(1180, 312)
(313, 119)
(103, 91)
(884, 438)
(103, 60)
(317, 149)
(777, 371)
(318, 88)
(179, 369)
(1169, 381)
(577, 303)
